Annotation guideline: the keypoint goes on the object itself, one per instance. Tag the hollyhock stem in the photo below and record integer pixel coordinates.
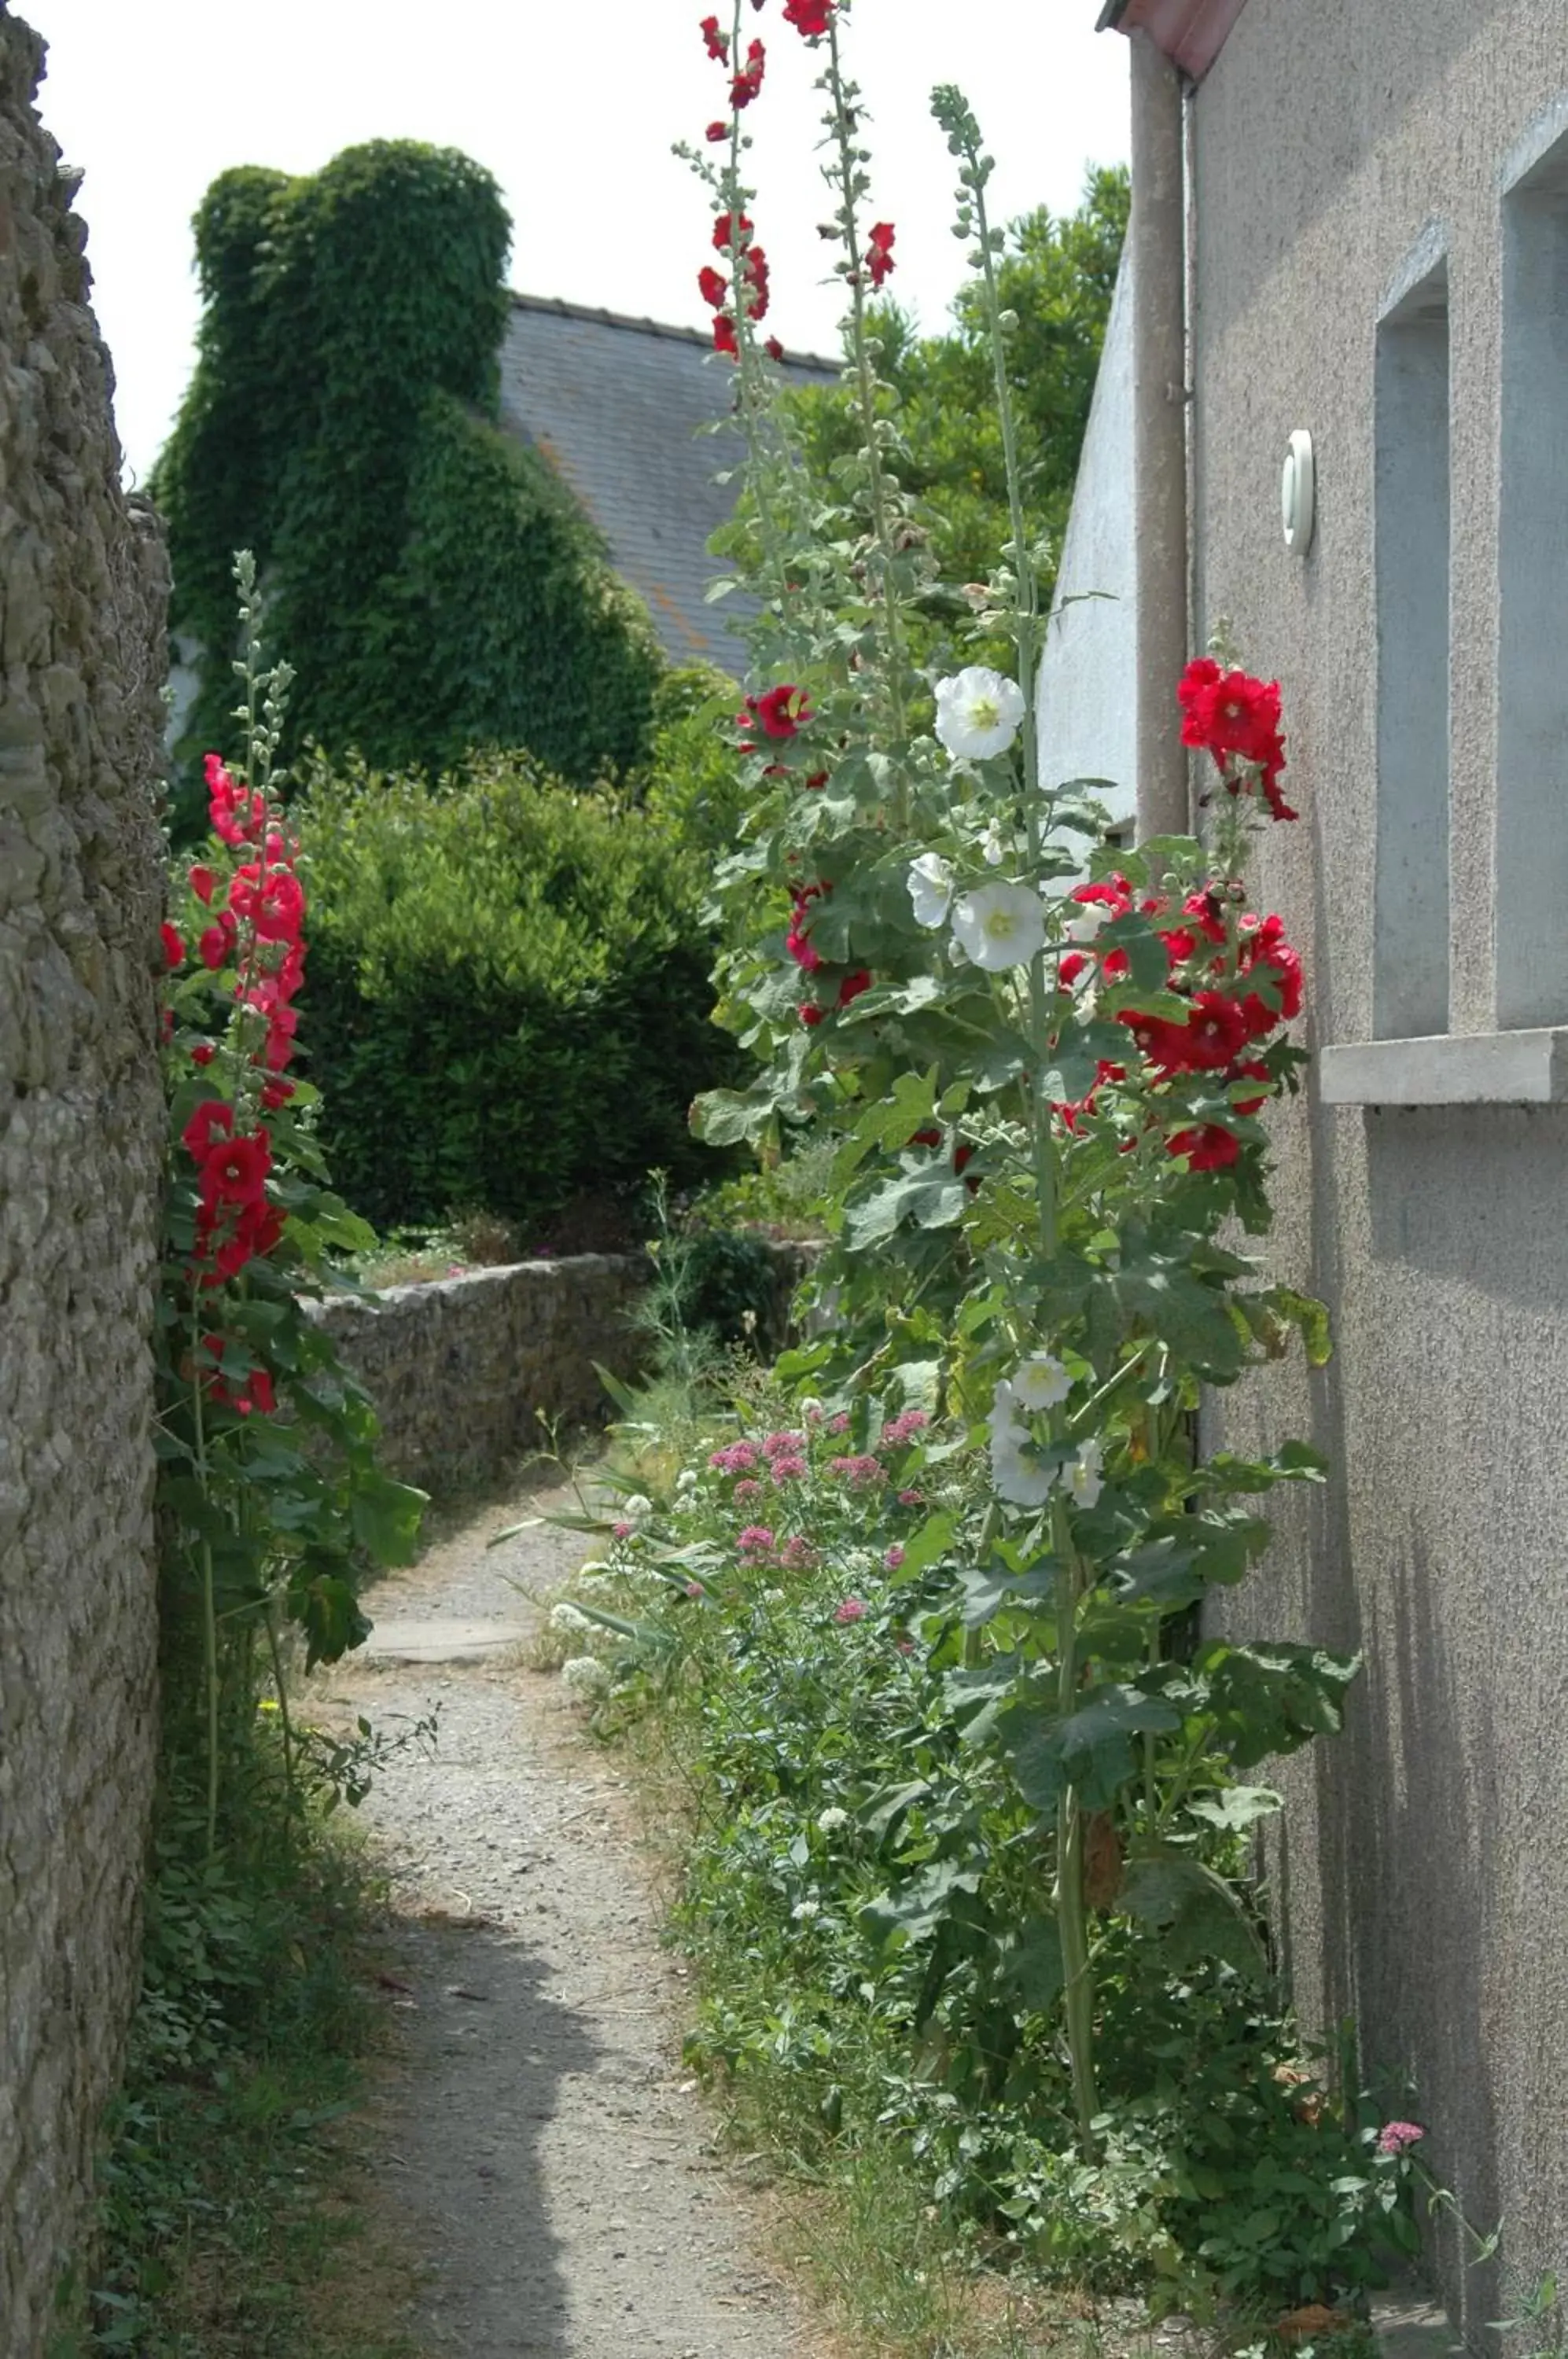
(1078, 1991)
(866, 379)
(209, 1589)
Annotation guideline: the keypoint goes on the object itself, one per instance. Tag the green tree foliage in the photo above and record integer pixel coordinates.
(1058, 278)
(438, 587)
(508, 999)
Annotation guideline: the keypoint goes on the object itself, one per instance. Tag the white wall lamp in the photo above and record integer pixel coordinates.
(1299, 494)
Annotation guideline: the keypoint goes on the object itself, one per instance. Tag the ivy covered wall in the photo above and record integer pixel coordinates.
(433, 583)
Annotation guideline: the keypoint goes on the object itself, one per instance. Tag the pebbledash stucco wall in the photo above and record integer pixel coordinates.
(1424, 1873)
(83, 594)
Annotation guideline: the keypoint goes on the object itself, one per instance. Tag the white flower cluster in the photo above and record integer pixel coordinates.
(830, 1821)
(585, 1677)
(994, 926)
(1017, 1474)
(637, 1509)
(564, 1615)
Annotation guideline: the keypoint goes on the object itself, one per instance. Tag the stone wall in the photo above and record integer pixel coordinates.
(468, 1373)
(83, 594)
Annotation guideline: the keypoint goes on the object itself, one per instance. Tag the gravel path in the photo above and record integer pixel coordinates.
(552, 2159)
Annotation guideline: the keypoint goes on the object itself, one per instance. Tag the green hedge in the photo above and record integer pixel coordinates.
(431, 582)
(507, 1000)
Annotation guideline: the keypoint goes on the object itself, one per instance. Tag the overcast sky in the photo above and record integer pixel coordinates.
(573, 105)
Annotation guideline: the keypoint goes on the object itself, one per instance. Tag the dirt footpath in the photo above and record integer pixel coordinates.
(557, 2173)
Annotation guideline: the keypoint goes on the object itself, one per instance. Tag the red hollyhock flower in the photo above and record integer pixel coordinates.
(202, 1053)
(1271, 964)
(717, 131)
(1207, 1148)
(273, 901)
(203, 881)
(725, 334)
(276, 1093)
(880, 252)
(234, 1171)
(213, 1120)
(173, 947)
(853, 984)
(774, 349)
(931, 1137)
(712, 286)
(810, 17)
(748, 81)
(810, 1014)
(1214, 1033)
(217, 940)
(718, 44)
(1072, 966)
(721, 225)
(781, 712)
(757, 278)
(237, 816)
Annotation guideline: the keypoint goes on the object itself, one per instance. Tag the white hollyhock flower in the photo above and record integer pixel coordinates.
(1082, 1474)
(978, 712)
(1017, 1475)
(993, 846)
(1084, 925)
(1000, 926)
(930, 889)
(1040, 1382)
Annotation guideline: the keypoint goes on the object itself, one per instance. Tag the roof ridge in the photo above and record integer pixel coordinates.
(565, 310)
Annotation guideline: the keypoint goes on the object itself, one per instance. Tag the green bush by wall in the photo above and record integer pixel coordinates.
(507, 1000)
(431, 582)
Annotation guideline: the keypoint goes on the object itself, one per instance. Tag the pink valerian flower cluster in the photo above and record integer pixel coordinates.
(747, 1491)
(735, 1458)
(900, 1430)
(860, 1472)
(1237, 719)
(1398, 2138)
(853, 1609)
(757, 1539)
(783, 1445)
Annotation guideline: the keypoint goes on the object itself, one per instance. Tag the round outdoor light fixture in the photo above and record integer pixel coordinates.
(1298, 494)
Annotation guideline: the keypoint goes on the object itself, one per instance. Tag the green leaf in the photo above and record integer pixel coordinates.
(385, 1517)
(1272, 1698)
(1236, 1808)
(914, 1912)
(1310, 1317)
(931, 1542)
(1197, 1914)
(1031, 1970)
(929, 1202)
(1090, 1749)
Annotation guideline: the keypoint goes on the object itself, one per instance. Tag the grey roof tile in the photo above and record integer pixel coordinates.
(617, 405)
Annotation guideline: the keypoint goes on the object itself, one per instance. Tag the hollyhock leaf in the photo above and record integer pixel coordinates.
(914, 1913)
(1310, 1317)
(1030, 1965)
(1237, 1808)
(385, 1517)
(929, 1543)
(989, 1589)
(1090, 1749)
(1198, 1916)
(881, 1810)
(1071, 1077)
(929, 1203)
(1148, 964)
(1267, 1699)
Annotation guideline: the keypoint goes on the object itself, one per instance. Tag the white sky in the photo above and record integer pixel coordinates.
(574, 108)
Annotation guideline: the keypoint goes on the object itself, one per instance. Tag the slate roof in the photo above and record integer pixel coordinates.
(614, 404)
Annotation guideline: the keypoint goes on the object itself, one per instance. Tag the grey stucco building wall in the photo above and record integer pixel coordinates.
(1352, 166)
(83, 597)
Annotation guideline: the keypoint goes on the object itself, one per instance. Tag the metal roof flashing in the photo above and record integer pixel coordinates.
(1190, 32)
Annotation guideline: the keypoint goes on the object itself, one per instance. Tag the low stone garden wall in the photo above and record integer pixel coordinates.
(468, 1374)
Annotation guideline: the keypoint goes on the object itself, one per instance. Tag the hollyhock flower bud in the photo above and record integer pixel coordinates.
(717, 131)
(775, 351)
(724, 224)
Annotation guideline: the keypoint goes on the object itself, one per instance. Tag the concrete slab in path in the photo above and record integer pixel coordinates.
(441, 1641)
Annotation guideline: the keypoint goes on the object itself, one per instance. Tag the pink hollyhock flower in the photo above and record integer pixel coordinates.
(1398, 2138)
(852, 1610)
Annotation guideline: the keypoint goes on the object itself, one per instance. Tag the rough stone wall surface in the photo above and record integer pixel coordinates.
(82, 595)
(1423, 1875)
(465, 1372)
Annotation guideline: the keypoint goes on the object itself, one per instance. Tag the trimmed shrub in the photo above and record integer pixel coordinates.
(508, 998)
